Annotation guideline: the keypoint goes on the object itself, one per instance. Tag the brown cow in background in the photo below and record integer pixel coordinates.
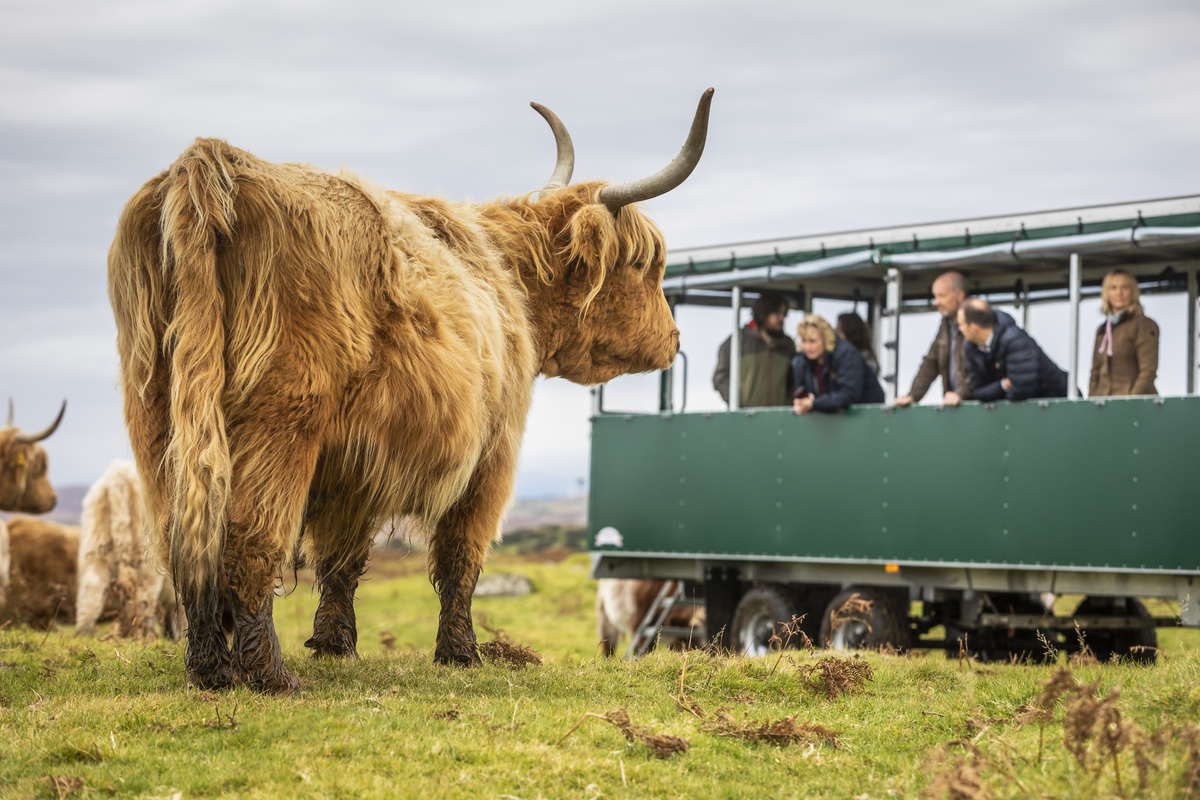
(44, 579)
(305, 355)
(24, 486)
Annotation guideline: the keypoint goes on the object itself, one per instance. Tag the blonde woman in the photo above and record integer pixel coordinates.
(1125, 360)
(830, 372)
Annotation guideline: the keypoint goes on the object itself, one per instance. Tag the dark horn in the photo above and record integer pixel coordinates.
(8, 424)
(566, 150)
(29, 438)
(675, 173)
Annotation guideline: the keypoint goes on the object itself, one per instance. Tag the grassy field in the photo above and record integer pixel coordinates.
(97, 718)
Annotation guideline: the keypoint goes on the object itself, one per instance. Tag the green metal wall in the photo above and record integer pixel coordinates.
(1064, 483)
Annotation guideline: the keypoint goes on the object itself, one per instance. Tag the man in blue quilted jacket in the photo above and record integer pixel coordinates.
(1005, 362)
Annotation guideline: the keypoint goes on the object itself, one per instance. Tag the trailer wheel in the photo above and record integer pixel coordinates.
(761, 613)
(864, 619)
(1139, 645)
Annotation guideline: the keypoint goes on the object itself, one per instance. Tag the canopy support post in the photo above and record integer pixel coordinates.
(666, 378)
(1193, 343)
(890, 324)
(735, 352)
(1076, 279)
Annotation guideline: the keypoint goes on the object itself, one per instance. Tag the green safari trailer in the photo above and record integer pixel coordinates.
(880, 525)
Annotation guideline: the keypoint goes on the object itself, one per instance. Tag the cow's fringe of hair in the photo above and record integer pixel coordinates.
(561, 229)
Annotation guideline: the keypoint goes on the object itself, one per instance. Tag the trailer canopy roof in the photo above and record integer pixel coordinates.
(993, 252)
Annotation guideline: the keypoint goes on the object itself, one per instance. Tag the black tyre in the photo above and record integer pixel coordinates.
(1139, 645)
(761, 613)
(865, 619)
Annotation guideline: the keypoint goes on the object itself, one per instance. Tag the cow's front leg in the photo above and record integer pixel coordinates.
(335, 630)
(457, 549)
(454, 574)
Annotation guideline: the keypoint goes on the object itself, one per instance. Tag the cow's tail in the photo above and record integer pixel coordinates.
(197, 215)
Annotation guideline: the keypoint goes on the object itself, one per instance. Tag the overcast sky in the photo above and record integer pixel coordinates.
(826, 116)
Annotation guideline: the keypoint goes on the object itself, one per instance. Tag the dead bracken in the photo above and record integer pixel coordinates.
(834, 677)
(662, 745)
(505, 652)
(779, 733)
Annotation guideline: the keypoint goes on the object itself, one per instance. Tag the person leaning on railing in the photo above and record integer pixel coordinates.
(946, 356)
(1006, 363)
(1125, 360)
(830, 372)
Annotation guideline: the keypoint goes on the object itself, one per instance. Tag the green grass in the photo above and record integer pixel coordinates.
(118, 715)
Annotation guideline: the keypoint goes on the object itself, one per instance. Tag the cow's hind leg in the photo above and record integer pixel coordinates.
(209, 664)
(277, 445)
(340, 556)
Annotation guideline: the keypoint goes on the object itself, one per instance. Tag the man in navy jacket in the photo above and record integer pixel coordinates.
(1005, 362)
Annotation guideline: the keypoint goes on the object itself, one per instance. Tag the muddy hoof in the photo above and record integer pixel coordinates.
(326, 649)
(218, 679)
(467, 658)
(211, 671)
(277, 682)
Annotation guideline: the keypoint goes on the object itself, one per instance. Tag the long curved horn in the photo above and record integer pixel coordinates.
(28, 438)
(8, 424)
(566, 150)
(673, 174)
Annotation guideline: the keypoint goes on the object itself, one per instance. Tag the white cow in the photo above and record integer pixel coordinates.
(118, 570)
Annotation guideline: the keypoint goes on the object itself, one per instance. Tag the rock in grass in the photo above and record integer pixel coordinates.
(503, 584)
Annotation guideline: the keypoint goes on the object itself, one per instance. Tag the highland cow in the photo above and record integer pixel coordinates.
(622, 605)
(305, 355)
(24, 480)
(119, 574)
(43, 579)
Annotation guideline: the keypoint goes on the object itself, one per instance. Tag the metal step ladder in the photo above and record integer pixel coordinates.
(669, 597)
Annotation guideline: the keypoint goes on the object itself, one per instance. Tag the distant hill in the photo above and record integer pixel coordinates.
(551, 512)
(547, 512)
(69, 506)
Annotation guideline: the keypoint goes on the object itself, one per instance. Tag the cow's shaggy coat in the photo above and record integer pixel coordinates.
(118, 571)
(305, 355)
(5, 564)
(43, 580)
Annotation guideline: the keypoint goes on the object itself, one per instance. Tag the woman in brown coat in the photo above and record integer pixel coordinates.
(1125, 360)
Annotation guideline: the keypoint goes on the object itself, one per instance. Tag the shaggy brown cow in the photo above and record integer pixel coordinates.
(24, 483)
(305, 355)
(43, 582)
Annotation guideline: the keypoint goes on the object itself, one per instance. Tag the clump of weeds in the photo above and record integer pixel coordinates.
(662, 745)
(834, 677)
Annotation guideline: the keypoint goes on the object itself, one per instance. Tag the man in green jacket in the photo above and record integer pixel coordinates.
(766, 367)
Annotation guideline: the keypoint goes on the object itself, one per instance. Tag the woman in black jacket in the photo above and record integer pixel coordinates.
(830, 372)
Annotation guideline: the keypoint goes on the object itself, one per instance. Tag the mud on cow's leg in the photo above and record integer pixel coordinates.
(454, 575)
(208, 660)
(335, 630)
(457, 550)
(257, 660)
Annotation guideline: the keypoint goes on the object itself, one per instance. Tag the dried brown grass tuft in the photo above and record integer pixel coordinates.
(835, 677)
(662, 745)
(502, 650)
(958, 777)
(779, 732)
(514, 655)
(63, 785)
